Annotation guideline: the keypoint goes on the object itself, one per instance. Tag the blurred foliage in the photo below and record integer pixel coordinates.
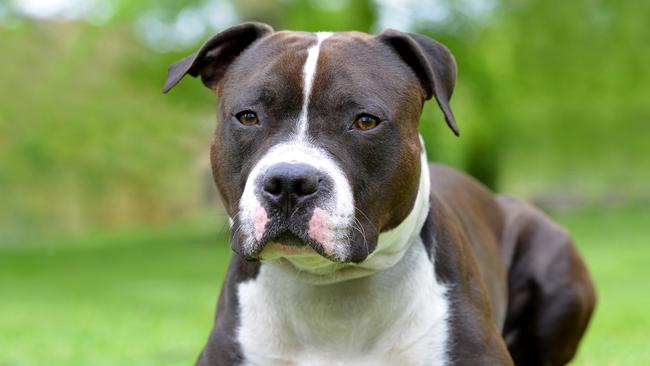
(552, 101)
(82, 141)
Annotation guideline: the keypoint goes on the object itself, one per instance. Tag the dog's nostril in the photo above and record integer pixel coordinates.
(286, 185)
(273, 186)
(306, 186)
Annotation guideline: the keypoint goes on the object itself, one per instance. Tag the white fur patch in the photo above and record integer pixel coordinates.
(396, 317)
(308, 73)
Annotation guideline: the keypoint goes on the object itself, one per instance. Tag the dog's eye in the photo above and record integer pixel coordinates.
(365, 122)
(247, 118)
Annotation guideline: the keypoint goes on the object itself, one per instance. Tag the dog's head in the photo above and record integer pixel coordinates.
(317, 150)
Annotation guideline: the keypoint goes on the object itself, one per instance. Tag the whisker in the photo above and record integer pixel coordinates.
(356, 224)
(366, 217)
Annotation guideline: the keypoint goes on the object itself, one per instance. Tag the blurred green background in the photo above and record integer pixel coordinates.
(113, 245)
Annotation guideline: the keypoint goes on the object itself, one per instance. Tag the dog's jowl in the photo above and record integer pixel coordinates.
(350, 248)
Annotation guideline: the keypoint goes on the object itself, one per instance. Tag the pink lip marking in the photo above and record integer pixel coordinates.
(260, 219)
(319, 229)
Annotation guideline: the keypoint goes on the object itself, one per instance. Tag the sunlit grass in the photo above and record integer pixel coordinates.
(617, 249)
(141, 300)
(148, 297)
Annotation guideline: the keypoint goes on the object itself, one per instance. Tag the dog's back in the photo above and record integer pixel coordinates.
(540, 292)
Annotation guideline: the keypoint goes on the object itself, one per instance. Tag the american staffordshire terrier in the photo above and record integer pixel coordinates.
(351, 249)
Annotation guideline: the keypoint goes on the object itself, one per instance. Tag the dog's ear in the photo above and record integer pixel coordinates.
(432, 63)
(214, 57)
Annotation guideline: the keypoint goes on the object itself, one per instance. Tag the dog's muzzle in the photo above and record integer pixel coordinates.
(294, 213)
(296, 202)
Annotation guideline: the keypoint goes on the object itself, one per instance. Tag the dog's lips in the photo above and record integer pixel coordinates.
(287, 244)
(289, 239)
(294, 246)
(313, 233)
(275, 249)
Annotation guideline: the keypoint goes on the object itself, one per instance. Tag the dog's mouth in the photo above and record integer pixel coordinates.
(286, 244)
(288, 238)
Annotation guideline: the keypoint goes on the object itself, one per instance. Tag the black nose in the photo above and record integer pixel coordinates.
(287, 185)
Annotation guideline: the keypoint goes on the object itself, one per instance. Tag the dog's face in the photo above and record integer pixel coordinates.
(317, 150)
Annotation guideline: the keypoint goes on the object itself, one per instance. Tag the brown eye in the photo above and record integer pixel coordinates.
(247, 118)
(365, 122)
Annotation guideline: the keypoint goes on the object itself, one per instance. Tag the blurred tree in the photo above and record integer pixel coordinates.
(310, 15)
(479, 102)
(552, 98)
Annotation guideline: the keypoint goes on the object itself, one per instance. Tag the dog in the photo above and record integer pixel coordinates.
(351, 249)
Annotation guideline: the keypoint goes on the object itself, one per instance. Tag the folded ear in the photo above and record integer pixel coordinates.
(214, 57)
(432, 63)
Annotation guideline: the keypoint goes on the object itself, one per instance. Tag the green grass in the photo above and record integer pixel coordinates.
(139, 299)
(147, 297)
(617, 249)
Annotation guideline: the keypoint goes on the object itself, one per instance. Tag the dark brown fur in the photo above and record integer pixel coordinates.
(519, 291)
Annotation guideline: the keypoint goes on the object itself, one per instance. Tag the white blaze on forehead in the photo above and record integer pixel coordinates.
(309, 72)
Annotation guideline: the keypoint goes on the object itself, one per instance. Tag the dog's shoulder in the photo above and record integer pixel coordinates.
(471, 202)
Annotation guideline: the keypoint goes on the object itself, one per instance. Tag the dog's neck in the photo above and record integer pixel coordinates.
(391, 246)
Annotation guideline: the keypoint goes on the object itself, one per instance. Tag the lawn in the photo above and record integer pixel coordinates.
(147, 297)
(617, 249)
(143, 298)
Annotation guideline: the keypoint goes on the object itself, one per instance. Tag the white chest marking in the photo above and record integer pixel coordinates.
(395, 317)
(309, 72)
